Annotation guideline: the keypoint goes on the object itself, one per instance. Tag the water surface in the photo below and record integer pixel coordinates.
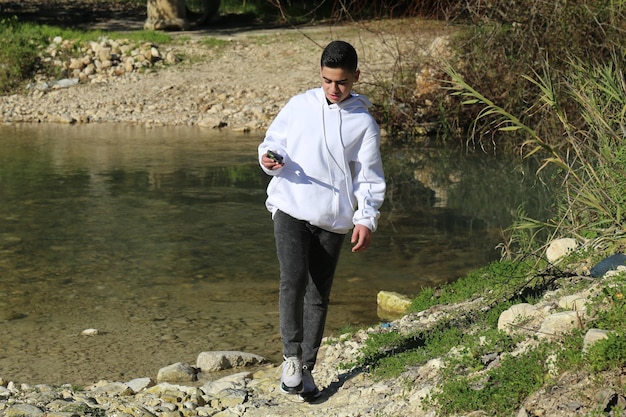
(159, 238)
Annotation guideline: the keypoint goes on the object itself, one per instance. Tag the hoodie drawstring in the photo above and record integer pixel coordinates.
(344, 168)
(327, 155)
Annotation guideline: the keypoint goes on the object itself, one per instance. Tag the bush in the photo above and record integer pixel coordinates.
(509, 40)
(19, 54)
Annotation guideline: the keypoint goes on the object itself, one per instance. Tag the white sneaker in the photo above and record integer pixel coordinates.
(291, 379)
(309, 389)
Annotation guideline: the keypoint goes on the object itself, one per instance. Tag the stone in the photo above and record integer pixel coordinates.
(139, 384)
(113, 388)
(559, 248)
(517, 314)
(573, 302)
(219, 360)
(66, 82)
(168, 392)
(177, 372)
(104, 54)
(210, 122)
(592, 336)
(558, 323)
(76, 64)
(235, 381)
(89, 332)
(427, 82)
(231, 397)
(610, 400)
(23, 410)
(61, 414)
(392, 302)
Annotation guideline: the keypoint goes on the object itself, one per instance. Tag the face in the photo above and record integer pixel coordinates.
(337, 83)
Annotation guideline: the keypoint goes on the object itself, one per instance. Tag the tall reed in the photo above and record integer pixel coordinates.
(590, 157)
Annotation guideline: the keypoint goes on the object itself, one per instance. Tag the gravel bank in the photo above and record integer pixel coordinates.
(238, 83)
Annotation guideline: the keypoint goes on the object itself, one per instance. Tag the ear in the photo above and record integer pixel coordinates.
(356, 75)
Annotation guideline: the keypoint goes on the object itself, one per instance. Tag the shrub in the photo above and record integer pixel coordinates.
(19, 54)
(512, 39)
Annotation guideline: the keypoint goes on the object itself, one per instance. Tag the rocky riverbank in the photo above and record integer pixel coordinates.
(237, 384)
(233, 80)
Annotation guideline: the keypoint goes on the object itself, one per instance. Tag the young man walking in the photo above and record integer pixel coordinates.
(322, 151)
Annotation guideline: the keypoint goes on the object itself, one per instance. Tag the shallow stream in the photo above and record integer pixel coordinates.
(159, 239)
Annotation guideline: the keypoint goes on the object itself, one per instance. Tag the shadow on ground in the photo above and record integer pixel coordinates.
(110, 16)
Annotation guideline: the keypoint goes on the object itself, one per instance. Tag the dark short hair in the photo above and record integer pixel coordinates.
(340, 54)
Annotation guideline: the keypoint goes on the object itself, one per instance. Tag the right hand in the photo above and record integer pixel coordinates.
(270, 164)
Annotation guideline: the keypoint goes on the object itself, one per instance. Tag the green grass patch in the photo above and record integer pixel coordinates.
(19, 54)
(499, 390)
(494, 281)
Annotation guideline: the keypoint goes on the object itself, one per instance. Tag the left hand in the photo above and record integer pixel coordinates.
(361, 237)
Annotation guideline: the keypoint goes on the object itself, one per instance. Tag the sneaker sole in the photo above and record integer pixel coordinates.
(291, 390)
(310, 396)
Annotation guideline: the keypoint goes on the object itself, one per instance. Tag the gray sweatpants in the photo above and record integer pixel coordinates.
(308, 257)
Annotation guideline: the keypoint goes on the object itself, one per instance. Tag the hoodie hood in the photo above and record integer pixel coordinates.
(354, 101)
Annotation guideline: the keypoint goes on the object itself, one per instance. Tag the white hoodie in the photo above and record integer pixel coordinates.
(333, 174)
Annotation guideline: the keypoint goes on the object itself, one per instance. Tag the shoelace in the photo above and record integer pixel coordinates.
(290, 367)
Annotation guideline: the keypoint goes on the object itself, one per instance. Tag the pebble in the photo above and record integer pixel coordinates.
(89, 332)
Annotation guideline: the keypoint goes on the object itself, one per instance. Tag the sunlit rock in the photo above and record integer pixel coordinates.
(592, 336)
(393, 302)
(559, 323)
(559, 248)
(573, 302)
(178, 372)
(513, 317)
(220, 360)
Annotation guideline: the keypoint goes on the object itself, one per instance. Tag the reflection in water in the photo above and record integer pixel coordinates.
(159, 238)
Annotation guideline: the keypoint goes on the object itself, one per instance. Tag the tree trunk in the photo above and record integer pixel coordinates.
(175, 15)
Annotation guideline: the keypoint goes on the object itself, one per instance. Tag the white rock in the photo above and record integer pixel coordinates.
(559, 248)
(177, 372)
(139, 384)
(573, 302)
(592, 336)
(515, 315)
(220, 360)
(558, 323)
(235, 381)
(23, 410)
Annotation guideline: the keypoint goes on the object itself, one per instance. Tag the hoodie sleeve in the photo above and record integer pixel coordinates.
(276, 139)
(368, 182)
